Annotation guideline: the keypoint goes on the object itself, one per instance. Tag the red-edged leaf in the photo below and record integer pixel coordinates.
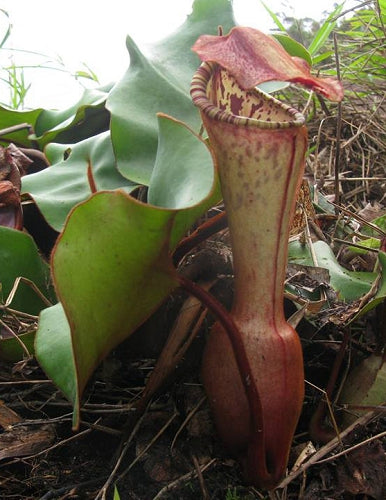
(253, 57)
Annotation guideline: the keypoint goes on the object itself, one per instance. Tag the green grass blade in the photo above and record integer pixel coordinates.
(8, 31)
(325, 30)
(274, 17)
(322, 57)
(382, 7)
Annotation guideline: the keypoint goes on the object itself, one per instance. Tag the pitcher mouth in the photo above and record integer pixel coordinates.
(232, 104)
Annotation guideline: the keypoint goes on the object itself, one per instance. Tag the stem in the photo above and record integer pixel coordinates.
(227, 323)
(338, 132)
(208, 228)
(91, 178)
(16, 128)
(318, 430)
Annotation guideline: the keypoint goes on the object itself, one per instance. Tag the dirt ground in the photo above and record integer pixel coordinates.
(171, 452)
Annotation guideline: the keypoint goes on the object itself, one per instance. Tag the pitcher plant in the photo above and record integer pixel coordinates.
(254, 378)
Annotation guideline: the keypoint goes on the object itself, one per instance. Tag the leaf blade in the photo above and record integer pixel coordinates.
(159, 83)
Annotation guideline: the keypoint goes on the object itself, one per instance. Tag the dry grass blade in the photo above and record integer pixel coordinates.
(186, 477)
(149, 445)
(326, 449)
(352, 448)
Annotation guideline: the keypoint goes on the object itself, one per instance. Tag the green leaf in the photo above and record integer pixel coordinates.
(294, 48)
(57, 189)
(53, 350)
(380, 295)
(112, 263)
(159, 83)
(272, 86)
(10, 117)
(382, 7)
(111, 269)
(183, 177)
(372, 243)
(322, 57)
(116, 494)
(325, 30)
(379, 222)
(11, 349)
(83, 74)
(182, 174)
(85, 118)
(19, 256)
(364, 386)
(349, 285)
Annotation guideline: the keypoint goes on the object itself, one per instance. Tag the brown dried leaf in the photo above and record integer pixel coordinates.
(24, 440)
(7, 416)
(363, 472)
(304, 209)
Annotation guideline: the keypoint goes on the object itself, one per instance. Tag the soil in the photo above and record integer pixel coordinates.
(171, 451)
